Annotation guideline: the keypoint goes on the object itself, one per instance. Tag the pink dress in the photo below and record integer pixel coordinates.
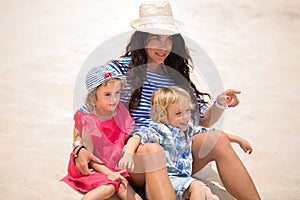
(108, 138)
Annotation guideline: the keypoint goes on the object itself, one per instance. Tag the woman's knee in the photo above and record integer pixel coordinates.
(149, 157)
(152, 147)
(223, 139)
(149, 148)
(222, 144)
(212, 142)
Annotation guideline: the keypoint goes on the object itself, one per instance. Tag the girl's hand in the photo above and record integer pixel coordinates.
(229, 98)
(245, 145)
(116, 176)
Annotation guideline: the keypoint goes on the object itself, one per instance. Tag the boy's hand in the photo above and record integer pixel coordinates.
(126, 161)
(245, 145)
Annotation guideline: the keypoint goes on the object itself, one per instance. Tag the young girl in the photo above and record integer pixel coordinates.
(171, 128)
(103, 132)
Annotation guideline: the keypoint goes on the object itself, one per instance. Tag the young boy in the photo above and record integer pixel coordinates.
(171, 128)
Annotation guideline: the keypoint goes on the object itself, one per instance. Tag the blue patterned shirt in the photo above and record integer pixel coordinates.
(176, 143)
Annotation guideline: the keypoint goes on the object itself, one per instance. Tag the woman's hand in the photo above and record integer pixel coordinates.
(84, 157)
(229, 98)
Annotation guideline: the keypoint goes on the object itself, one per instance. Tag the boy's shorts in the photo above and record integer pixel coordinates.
(180, 185)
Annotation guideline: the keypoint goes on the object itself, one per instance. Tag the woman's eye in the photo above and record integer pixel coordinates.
(155, 38)
(169, 39)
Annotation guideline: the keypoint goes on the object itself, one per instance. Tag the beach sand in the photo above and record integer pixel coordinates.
(254, 46)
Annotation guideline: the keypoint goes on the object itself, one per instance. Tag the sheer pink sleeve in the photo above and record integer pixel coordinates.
(78, 120)
(124, 119)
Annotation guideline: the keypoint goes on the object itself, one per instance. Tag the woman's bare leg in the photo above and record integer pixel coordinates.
(154, 174)
(232, 171)
(101, 192)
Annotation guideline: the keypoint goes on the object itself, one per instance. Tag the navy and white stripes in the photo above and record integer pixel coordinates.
(153, 81)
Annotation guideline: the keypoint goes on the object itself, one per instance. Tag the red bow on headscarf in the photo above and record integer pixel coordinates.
(107, 74)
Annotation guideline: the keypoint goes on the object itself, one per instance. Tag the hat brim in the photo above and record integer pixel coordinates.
(158, 27)
(94, 82)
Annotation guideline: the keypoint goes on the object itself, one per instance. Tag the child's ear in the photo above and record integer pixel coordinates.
(95, 92)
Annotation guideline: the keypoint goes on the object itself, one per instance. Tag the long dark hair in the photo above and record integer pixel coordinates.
(177, 62)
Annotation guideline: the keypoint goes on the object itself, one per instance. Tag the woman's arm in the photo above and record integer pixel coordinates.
(226, 99)
(84, 156)
(77, 140)
(211, 116)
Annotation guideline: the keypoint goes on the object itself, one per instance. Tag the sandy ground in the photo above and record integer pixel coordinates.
(254, 45)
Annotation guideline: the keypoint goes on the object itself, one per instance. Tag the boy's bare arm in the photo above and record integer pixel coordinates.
(244, 144)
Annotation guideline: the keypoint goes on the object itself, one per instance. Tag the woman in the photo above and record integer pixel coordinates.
(157, 57)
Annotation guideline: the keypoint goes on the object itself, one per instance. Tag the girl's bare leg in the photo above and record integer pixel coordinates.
(233, 173)
(102, 192)
(158, 184)
(126, 192)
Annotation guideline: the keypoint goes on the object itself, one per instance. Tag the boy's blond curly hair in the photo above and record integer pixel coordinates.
(164, 97)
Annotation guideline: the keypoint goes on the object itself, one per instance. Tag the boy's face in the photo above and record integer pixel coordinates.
(108, 97)
(179, 115)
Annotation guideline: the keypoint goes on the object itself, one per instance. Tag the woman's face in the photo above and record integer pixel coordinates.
(158, 48)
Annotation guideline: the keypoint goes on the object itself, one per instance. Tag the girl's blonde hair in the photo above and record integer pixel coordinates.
(164, 97)
(90, 100)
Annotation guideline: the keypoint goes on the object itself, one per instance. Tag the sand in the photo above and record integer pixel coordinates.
(254, 46)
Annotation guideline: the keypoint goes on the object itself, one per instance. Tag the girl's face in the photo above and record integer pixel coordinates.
(108, 97)
(179, 114)
(158, 48)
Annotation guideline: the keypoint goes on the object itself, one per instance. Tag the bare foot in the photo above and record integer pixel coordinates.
(126, 192)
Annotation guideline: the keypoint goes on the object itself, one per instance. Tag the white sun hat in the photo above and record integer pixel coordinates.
(156, 17)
